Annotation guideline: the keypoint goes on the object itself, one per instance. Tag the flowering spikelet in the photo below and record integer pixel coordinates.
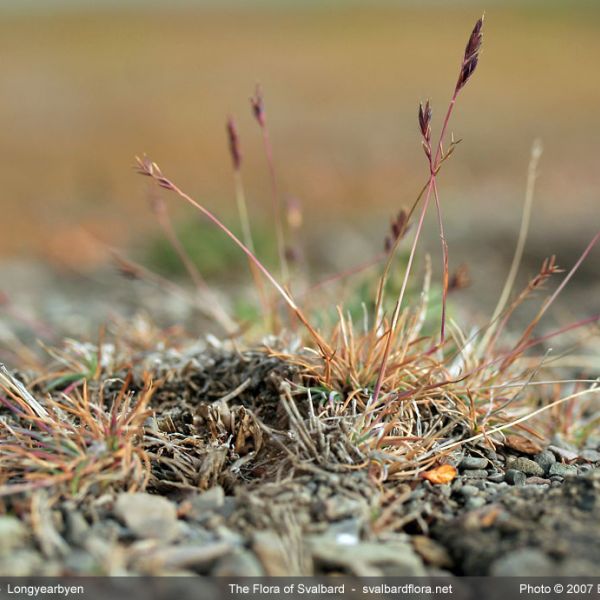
(258, 106)
(425, 120)
(398, 229)
(234, 144)
(471, 55)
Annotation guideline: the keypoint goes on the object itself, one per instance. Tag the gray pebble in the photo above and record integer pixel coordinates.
(469, 490)
(527, 466)
(241, 563)
(206, 502)
(475, 502)
(475, 474)
(496, 476)
(515, 477)
(473, 462)
(13, 534)
(545, 459)
(525, 562)
(590, 455)
(562, 470)
(147, 516)
(445, 490)
(565, 453)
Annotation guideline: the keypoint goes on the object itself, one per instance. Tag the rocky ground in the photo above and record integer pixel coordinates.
(321, 525)
(515, 510)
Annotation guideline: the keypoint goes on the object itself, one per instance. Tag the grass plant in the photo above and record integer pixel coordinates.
(377, 392)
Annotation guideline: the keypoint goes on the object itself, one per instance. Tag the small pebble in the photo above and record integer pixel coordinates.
(545, 459)
(515, 477)
(475, 474)
(562, 470)
(527, 466)
(563, 452)
(475, 502)
(590, 455)
(496, 476)
(469, 490)
(537, 481)
(456, 485)
(473, 462)
(445, 490)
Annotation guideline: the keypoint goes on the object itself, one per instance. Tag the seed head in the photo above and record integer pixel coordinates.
(425, 120)
(398, 229)
(460, 279)
(471, 54)
(234, 144)
(145, 166)
(258, 106)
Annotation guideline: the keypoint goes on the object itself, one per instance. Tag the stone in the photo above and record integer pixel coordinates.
(537, 481)
(76, 528)
(238, 564)
(515, 477)
(560, 470)
(527, 466)
(147, 516)
(527, 562)
(475, 474)
(369, 558)
(13, 534)
(473, 462)
(209, 501)
(590, 455)
(272, 554)
(545, 460)
(185, 556)
(469, 490)
(564, 453)
(21, 563)
(475, 502)
(432, 552)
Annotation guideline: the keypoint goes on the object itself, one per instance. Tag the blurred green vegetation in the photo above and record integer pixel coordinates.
(213, 253)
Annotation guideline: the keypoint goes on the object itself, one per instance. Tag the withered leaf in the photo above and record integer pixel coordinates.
(522, 444)
(440, 475)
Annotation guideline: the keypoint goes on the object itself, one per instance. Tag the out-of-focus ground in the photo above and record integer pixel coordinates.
(83, 91)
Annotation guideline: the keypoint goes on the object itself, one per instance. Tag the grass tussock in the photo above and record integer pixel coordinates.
(377, 390)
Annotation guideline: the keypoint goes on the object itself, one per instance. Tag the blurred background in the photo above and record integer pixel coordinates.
(88, 84)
